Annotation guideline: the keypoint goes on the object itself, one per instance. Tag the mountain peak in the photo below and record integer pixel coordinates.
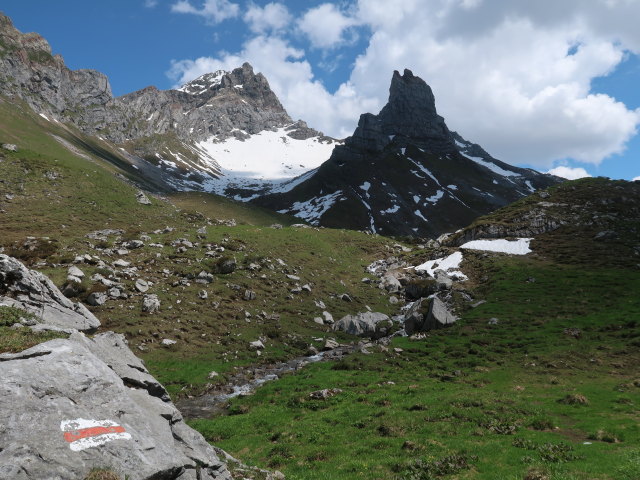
(411, 110)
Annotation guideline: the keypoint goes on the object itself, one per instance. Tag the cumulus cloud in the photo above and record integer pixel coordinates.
(272, 17)
(512, 75)
(150, 3)
(569, 173)
(213, 11)
(636, 179)
(325, 25)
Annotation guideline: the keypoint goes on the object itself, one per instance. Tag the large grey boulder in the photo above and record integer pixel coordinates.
(67, 406)
(428, 314)
(32, 291)
(366, 324)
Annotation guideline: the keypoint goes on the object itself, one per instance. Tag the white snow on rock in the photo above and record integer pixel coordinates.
(491, 166)
(513, 247)
(419, 214)
(314, 208)
(434, 198)
(392, 209)
(203, 83)
(448, 264)
(365, 186)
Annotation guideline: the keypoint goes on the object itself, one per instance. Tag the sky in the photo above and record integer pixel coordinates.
(552, 85)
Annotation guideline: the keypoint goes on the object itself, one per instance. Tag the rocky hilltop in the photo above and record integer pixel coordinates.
(402, 169)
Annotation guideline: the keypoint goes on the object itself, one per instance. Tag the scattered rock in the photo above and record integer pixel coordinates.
(318, 320)
(134, 244)
(427, 314)
(75, 272)
(346, 297)
(150, 303)
(295, 278)
(605, 235)
(493, 321)
(97, 299)
(249, 295)
(141, 285)
(203, 295)
(10, 147)
(168, 342)
(142, 199)
(330, 344)
(121, 263)
(306, 288)
(213, 375)
(256, 345)
(328, 318)
(393, 300)
(325, 393)
(366, 324)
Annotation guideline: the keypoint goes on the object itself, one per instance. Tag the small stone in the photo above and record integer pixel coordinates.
(213, 375)
(97, 299)
(249, 295)
(133, 244)
(10, 147)
(346, 297)
(121, 263)
(142, 285)
(256, 345)
(306, 287)
(168, 342)
(142, 199)
(150, 303)
(75, 272)
(393, 300)
(493, 321)
(319, 320)
(203, 295)
(330, 344)
(295, 278)
(328, 318)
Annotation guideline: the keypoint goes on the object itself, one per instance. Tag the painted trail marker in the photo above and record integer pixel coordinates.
(82, 433)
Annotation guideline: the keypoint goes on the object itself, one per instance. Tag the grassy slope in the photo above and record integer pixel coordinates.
(508, 377)
(471, 390)
(87, 195)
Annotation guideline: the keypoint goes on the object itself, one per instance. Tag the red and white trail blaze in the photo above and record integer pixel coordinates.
(82, 433)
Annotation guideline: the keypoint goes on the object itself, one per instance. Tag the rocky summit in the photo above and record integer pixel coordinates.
(402, 170)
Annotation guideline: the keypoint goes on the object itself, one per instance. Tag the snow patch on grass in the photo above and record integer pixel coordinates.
(513, 247)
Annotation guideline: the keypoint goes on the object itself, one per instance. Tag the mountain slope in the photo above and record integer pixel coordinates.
(179, 138)
(404, 173)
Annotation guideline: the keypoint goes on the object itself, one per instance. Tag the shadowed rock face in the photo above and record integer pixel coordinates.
(403, 172)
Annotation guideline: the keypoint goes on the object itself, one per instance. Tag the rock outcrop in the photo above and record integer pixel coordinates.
(70, 405)
(32, 291)
(428, 314)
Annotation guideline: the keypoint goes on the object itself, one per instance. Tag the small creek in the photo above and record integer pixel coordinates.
(247, 381)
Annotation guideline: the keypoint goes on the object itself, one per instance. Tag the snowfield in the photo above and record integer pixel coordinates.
(513, 247)
(265, 162)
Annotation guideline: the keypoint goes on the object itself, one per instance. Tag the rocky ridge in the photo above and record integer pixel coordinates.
(401, 169)
(159, 132)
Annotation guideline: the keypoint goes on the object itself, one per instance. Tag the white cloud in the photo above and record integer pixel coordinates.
(150, 3)
(214, 11)
(273, 17)
(512, 75)
(636, 179)
(569, 173)
(325, 25)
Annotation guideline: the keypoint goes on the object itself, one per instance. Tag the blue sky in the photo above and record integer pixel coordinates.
(543, 84)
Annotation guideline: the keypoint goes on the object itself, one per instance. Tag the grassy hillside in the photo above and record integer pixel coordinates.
(541, 382)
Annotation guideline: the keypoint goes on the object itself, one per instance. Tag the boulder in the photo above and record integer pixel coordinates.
(32, 291)
(249, 295)
(69, 406)
(97, 299)
(366, 324)
(427, 314)
(150, 303)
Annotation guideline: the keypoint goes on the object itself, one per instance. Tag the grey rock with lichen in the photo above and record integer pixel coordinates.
(32, 291)
(99, 383)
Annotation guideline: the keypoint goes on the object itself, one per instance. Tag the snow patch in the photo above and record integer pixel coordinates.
(513, 247)
(314, 208)
(392, 209)
(448, 264)
(434, 198)
(419, 214)
(45, 117)
(491, 166)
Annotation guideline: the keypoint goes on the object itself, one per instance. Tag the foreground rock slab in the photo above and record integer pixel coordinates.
(70, 405)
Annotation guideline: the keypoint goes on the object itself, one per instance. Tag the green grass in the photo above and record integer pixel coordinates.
(485, 400)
